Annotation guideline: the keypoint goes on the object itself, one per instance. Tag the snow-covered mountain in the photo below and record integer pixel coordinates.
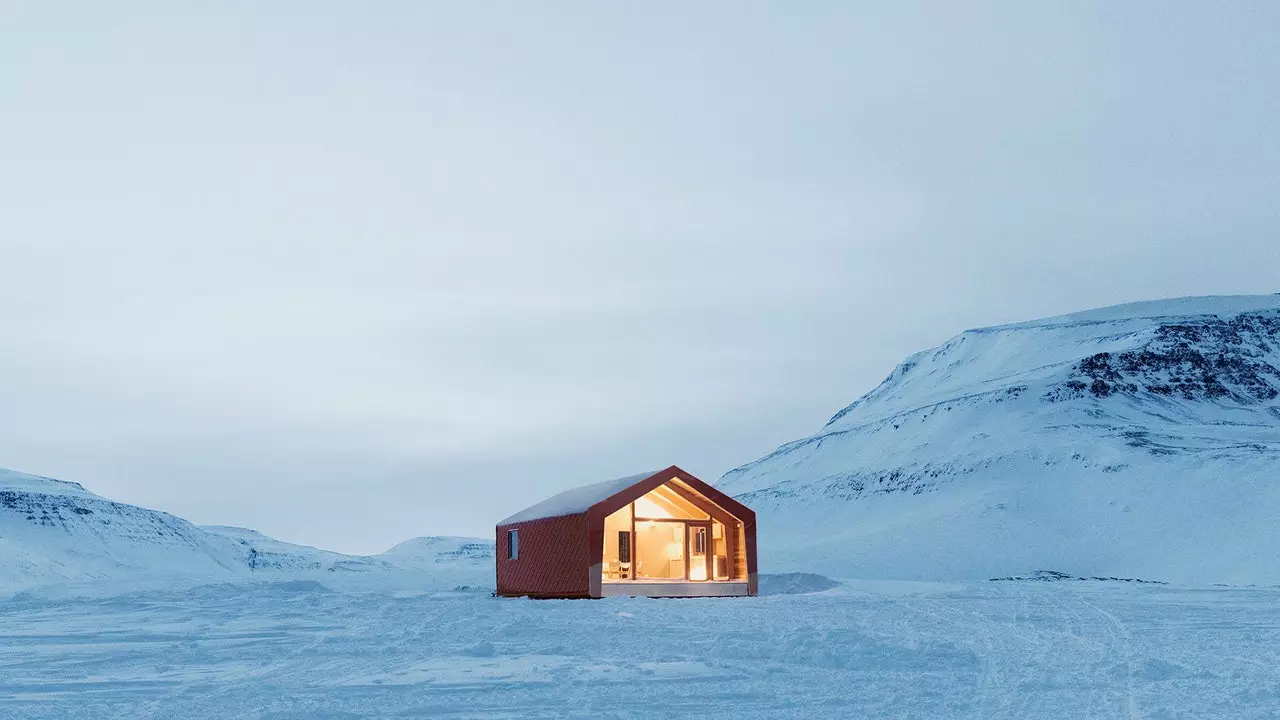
(52, 531)
(261, 553)
(1140, 440)
(440, 551)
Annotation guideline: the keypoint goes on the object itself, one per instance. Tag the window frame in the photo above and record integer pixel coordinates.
(513, 544)
(699, 541)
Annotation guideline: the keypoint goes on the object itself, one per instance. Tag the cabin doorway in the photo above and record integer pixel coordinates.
(697, 568)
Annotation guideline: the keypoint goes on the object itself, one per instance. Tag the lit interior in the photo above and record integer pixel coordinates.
(659, 550)
(672, 534)
(662, 502)
(618, 564)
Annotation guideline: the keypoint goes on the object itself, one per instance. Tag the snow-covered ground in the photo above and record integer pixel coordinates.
(299, 650)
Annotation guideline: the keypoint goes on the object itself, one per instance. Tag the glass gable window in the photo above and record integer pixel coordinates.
(671, 533)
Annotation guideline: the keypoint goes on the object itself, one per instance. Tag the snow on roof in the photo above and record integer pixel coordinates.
(577, 500)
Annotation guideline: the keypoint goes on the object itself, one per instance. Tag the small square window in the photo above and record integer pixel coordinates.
(513, 544)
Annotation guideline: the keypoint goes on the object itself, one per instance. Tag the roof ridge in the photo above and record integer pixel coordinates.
(577, 500)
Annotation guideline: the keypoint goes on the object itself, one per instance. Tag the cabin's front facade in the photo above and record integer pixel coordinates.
(663, 534)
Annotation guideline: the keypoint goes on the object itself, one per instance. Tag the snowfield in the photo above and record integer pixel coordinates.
(295, 650)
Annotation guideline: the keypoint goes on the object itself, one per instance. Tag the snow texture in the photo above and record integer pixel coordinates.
(302, 650)
(1137, 441)
(576, 500)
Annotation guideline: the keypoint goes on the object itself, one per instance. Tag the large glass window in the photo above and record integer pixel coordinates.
(660, 550)
(618, 547)
(665, 535)
(720, 560)
(665, 503)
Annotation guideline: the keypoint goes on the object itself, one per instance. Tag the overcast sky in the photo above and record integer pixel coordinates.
(349, 273)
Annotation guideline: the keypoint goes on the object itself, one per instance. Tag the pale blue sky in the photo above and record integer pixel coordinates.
(350, 273)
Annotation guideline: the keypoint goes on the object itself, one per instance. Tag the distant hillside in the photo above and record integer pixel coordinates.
(437, 551)
(1140, 440)
(53, 531)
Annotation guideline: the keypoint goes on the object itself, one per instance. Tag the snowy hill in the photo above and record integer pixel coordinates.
(52, 531)
(426, 552)
(1140, 440)
(264, 554)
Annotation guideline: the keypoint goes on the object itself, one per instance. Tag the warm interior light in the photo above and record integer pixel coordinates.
(645, 507)
(656, 548)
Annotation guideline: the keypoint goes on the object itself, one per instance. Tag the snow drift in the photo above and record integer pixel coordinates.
(1140, 440)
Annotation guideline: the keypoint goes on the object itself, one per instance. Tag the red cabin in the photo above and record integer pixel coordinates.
(657, 534)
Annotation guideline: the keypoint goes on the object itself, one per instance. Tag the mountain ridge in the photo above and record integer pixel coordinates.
(54, 531)
(1083, 409)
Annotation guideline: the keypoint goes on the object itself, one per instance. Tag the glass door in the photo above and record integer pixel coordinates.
(699, 537)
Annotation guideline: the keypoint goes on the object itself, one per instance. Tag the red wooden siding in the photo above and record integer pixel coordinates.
(555, 558)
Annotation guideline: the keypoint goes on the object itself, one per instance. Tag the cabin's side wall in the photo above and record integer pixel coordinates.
(553, 561)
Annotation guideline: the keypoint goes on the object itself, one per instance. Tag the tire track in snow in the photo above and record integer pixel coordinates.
(1126, 642)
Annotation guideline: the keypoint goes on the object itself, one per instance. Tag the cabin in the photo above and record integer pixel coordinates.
(656, 534)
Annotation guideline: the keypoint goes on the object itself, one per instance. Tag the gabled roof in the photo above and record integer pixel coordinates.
(578, 500)
(612, 494)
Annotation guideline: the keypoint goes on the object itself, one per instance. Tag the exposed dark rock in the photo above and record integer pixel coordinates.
(1056, 576)
(1213, 359)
